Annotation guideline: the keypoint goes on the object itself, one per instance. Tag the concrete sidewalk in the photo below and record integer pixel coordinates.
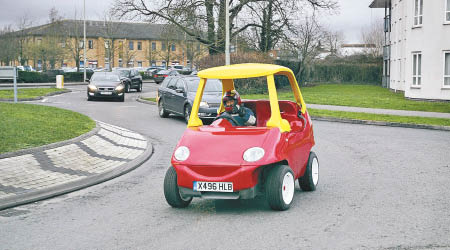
(39, 173)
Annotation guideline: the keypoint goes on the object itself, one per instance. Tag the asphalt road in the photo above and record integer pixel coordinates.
(379, 188)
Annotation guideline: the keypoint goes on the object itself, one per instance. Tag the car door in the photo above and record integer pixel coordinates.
(170, 94)
(135, 77)
(179, 96)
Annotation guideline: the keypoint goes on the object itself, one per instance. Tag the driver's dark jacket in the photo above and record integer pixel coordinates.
(247, 120)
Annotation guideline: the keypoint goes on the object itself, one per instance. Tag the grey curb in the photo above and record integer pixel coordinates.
(352, 121)
(379, 123)
(37, 98)
(139, 99)
(68, 187)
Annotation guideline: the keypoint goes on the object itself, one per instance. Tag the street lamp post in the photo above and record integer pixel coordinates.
(84, 40)
(227, 32)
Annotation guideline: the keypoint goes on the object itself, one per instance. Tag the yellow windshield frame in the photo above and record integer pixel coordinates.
(239, 71)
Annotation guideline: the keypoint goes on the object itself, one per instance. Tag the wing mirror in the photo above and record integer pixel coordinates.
(179, 90)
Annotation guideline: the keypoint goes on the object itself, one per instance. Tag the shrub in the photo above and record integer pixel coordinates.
(76, 76)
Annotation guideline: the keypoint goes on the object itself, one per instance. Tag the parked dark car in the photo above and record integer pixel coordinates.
(106, 85)
(131, 78)
(161, 75)
(176, 95)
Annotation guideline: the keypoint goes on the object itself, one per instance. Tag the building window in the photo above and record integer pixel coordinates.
(107, 44)
(417, 69)
(81, 45)
(153, 63)
(139, 45)
(39, 41)
(153, 46)
(131, 45)
(418, 12)
(91, 44)
(447, 69)
(447, 11)
(163, 46)
(173, 47)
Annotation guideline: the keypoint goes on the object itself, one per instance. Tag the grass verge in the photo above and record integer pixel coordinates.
(379, 117)
(366, 96)
(149, 99)
(28, 125)
(24, 93)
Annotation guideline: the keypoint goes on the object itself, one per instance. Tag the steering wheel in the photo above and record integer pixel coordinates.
(227, 117)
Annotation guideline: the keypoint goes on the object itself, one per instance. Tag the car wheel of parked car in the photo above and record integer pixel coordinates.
(280, 187)
(309, 181)
(139, 89)
(90, 98)
(162, 112)
(172, 192)
(127, 88)
(187, 112)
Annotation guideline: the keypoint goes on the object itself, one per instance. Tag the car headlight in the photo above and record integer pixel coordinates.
(204, 104)
(253, 154)
(182, 153)
(92, 88)
(119, 87)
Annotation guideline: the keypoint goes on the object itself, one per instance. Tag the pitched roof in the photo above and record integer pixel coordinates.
(119, 30)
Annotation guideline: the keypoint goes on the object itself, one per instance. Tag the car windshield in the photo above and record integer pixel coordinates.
(123, 73)
(104, 77)
(164, 72)
(212, 85)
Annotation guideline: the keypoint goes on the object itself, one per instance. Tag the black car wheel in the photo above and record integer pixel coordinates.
(172, 192)
(122, 98)
(280, 187)
(162, 112)
(139, 89)
(127, 88)
(187, 112)
(309, 181)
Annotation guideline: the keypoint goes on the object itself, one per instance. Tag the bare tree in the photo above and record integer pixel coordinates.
(332, 41)
(22, 39)
(74, 40)
(205, 20)
(110, 33)
(8, 46)
(306, 38)
(373, 35)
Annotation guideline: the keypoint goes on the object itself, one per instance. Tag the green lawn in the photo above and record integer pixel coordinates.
(366, 96)
(23, 93)
(380, 117)
(150, 99)
(28, 125)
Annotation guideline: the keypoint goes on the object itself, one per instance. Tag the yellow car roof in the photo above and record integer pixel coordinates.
(245, 70)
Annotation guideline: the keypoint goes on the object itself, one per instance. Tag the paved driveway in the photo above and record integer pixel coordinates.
(380, 188)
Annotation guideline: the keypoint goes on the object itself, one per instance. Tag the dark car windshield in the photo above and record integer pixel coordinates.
(164, 72)
(212, 85)
(123, 73)
(105, 77)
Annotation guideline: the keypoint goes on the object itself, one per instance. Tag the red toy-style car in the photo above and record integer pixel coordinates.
(221, 161)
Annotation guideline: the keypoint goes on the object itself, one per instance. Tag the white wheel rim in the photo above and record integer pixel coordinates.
(315, 171)
(287, 189)
(161, 109)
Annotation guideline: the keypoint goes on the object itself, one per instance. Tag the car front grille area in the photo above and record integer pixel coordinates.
(106, 89)
(214, 105)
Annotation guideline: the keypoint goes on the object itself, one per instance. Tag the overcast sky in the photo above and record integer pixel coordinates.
(352, 17)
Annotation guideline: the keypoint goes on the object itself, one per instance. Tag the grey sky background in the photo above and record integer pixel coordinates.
(353, 15)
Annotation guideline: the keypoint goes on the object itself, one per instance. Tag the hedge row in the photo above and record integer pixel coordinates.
(338, 72)
(37, 77)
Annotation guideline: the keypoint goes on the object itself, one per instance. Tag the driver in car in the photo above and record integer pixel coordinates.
(239, 114)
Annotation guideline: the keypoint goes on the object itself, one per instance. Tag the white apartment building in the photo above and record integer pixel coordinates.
(417, 47)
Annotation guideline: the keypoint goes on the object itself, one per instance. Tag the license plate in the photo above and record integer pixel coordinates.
(106, 93)
(213, 186)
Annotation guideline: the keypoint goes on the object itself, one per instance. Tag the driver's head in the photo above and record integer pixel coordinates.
(231, 100)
